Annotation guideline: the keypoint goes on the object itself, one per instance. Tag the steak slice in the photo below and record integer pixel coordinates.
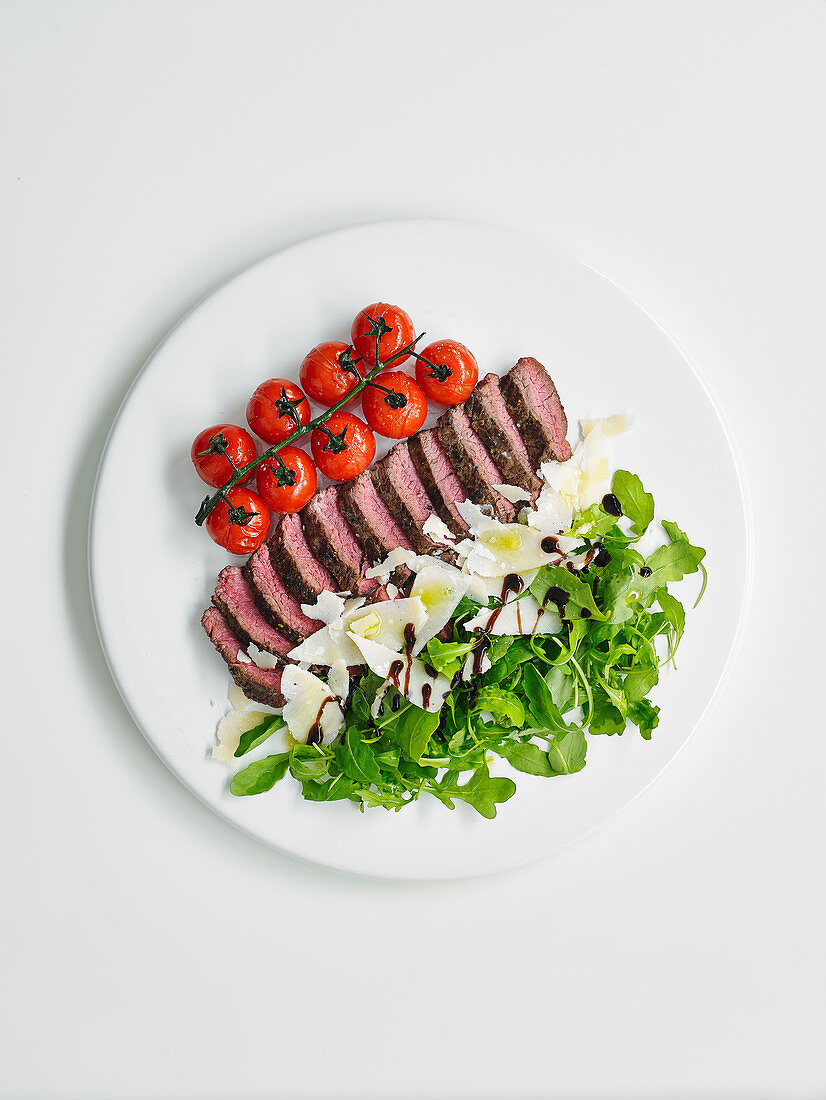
(261, 684)
(401, 488)
(302, 573)
(536, 410)
(333, 543)
(494, 425)
(275, 601)
(372, 522)
(438, 477)
(476, 469)
(235, 600)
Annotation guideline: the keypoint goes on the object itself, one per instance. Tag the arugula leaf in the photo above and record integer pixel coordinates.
(540, 702)
(259, 734)
(308, 762)
(481, 792)
(636, 504)
(502, 704)
(357, 759)
(525, 756)
(646, 716)
(567, 754)
(606, 719)
(414, 730)
(505, 664)
(561, 686)
(593, 523)
(261, 775)
(449, 657)
(579, 593)
(672, 563)
(331, 790)
(638, 682)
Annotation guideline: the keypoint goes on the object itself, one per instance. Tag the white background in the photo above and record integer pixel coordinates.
(148, 152)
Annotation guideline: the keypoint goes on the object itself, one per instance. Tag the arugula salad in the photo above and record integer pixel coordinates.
(508, 655)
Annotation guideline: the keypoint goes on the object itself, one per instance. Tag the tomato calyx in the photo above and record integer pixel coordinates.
(348, 363)
(378, 326)
(335, 442)
(284, 474)
(392, 397)
(238, 514)
(217, 446)
(287, 406)
(438, 371)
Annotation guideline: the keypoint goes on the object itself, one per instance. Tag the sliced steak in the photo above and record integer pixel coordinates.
(372, 522)
(476, 469)
(235, 600)
(332, 541)
(400, 486)
(276, 602)
(494, 425)
(261, 684)
(439, 477)
(302, 573)
(536, 410)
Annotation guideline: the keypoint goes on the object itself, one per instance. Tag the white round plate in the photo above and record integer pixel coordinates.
(504, 296)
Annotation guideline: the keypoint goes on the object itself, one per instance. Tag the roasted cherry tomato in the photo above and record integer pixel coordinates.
(447, 372)
(213, 445)
(345, 449)
(323, 375)
(393, 327)
(288, 484)
(276, 409)
(396, 410)
(240, 522)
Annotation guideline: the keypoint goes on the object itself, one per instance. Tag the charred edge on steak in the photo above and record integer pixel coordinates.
(303, 574)
(494, 425)
(401, 488)
(476, 469)
(235, 599)
(536, 410)
(260, 684)
(370, 519)
(278, 605)
(439, 478)
(333, 543)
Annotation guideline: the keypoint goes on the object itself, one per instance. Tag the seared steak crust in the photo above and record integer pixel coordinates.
(476, 469)
(439, 477)
(261, 684)
(494, 425)
(537, 411)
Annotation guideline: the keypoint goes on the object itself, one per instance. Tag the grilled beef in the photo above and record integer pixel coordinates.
(439, 477)
(333, 543)
(371, 521)
(261, 684)
(476, 469)
(301, 571)
(537, 411)
(236, 602)
(398, 483)
(494, 425)
(277, 604)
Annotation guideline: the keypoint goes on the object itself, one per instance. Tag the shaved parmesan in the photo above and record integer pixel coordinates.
(512, 493)
(261, 657)
(310, 706)
(229, 731)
